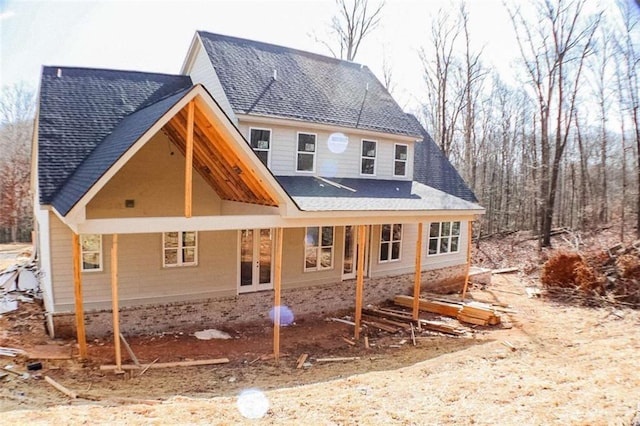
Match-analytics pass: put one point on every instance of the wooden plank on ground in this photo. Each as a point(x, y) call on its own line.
point(442, 308)
point(338, 359)
point(41, 352)
point(472, 320)
point(301, 360)
point(381, 326)
point(71, 394)
point(169, 364)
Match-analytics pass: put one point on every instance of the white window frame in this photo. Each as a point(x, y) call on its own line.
point(83, 252)
point(449, 237)
point(397, 160)
point(313, 154)
point(390, 242)
point(268, 150)
point(319, 248)
point(363, 157)
point(179, 257)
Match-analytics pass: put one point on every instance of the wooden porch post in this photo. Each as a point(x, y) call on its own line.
point(188, 167)
point(466, 275)
point(360, 278)
point(77, 285)
point(114, 301)
point(418, 277)
point(277, 282)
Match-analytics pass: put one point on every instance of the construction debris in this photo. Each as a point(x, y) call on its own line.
point(338, 359)
point(211, 333)
point(71, 394)
point(12, 352)
point(167, 364)
point(606, 277)
point(473, 312)
point(301, 360)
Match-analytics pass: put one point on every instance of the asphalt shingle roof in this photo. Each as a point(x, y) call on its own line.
point(79, 108)
point(432, 168)
point(352, 194)
point(308, 86)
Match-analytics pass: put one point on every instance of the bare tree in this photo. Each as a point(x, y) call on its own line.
point(351, 25)
point(553, 53)
point(16, 126)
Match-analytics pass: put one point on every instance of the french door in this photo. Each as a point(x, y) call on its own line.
point(256, 256)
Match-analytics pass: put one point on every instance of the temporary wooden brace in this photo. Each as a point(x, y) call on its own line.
point(188, 167)
point(359, 279)
point(468, 268)
point(277, 281)
point(416, 284)
point(77, 284)
point(114, 301)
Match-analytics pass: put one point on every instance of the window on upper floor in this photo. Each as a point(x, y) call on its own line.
point(260, 140)
point(390, 242)
point(400, 159)
point(318, 245)
point(444, 237)
point(91, 252)
point(180, 249)
point(306, 155)
point(368, 159)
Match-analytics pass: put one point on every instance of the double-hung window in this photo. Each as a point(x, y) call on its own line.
point(444, 237)
point(390, 242)
point(180, 248)
point(260, 140)
point(400, 159)
point(318, 245)
point(91, 252)
point(306, 154)
point(368, 159)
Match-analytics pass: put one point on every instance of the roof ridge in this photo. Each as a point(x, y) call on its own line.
point(110, 70)
point(290, 49)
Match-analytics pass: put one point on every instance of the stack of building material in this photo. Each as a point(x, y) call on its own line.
point(472, 312)
point(400, 320)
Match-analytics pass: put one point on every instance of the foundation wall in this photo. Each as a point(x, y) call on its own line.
point(254, 307)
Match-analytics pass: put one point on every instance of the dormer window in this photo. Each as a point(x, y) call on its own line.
point(368, 159)
point(400, 159)
point(260, 140)
point(306, 155)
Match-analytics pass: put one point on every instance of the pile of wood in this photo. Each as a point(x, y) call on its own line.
point(393, 321)
point(471, 312)
point(608, 277)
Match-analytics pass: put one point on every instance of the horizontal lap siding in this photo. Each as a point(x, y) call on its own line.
point(61, 262)
point(203, 72)
point(328, 164)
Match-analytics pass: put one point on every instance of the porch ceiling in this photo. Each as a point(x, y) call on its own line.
point(216, 159)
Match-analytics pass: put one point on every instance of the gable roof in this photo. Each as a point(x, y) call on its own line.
point(432, 168)
point(79, 108)
point(306, 86)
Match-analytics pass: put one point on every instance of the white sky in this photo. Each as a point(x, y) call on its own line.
point(155, 35)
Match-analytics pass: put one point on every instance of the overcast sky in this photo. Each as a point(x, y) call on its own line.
point(154, 35)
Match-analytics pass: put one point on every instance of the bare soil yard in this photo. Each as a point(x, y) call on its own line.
point(568, 365)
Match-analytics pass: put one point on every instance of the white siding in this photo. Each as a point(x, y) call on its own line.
point(329, 164)
point(203, 72)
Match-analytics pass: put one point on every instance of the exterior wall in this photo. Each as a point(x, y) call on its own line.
point(203, 72)
point(283, 153)
point(254, 307)
point(154, 179)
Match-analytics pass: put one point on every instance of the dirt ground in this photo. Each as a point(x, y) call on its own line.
point(568, 365)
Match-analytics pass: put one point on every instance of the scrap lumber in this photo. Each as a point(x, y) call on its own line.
point(148, 366)
point(338, 359)
point(343, 321)
point(443, 328)
point(133, 356)
point(381, 326)
point(505, 270)
point(442, 308)
point(71, 394)
point(471, 320)
point(168, 364)
point(351, 342)
point(389, 314)
point(384, 320)
point(301, 360)
point(11, 352)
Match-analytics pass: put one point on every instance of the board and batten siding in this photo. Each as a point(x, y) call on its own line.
point(154, 179)
point(204, 73)
point(283, 155)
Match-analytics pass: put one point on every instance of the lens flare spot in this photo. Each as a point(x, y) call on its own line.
point(286, 315)
point(253, 403)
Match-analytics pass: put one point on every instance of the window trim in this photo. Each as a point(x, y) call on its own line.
point(440, 237)
point(268, 151)
point(319, 248)
point(374, 158)
point(390, 242)
point(298, 152)
point(180, 263)
point(405, 161)
point(82, 252)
